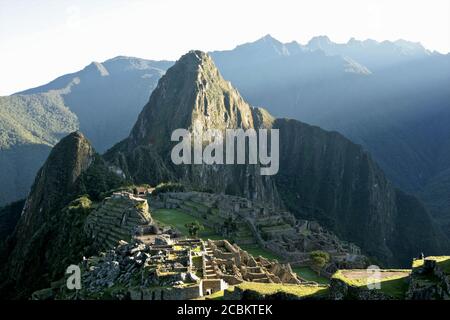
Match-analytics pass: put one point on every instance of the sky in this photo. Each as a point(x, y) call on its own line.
point(41, 40)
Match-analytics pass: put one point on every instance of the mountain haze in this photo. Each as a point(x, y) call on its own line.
point(391, 98)
point(103, 100)
point(107, 96)
point(323, 176)
point(398, 109)
point(194, 96)
point(382, 95)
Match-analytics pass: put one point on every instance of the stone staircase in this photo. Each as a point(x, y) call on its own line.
point(208, 267)
point(208, 271)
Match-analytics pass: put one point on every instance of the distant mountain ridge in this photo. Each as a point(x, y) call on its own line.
point(106, 96)
point(371, 53)
point(382, 95)
point(399, 110)
point(323, 176)
point(103, 100)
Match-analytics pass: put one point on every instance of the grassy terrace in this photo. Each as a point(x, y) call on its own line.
point(196, 205)
point(178, 219)
point(303, 291)
point(272, 288)
point(310, 275)
point(256, 251)
point(278, 227)
point(393, 282)
point(443, 262)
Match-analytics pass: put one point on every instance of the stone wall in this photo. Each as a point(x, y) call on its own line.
point(339, 290)
point(213, 285)
point(429, 281)
point(173, 293)
point(118, 217)
point(273, 229)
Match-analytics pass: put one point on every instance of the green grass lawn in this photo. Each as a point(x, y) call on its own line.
point(272, 288)
point(200, 207)
point(303, 291)
point(445, 265)
point(178, 219)
point(278, 227)
point(442, 261)
point(310, 275)
point(394, 285)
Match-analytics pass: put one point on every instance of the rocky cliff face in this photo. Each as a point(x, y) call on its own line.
point(323, 176)
point(391, 97)
point(54, 181)
point(194, 96)
point(49, 235)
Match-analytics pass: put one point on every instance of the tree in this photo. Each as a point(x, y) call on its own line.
point(194, 228)
point(319, 259)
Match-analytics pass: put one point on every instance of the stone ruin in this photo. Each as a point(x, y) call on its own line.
point(430, 279)
point(273, 229)
point(119, 217)
point(141, 261)
point(175, 269)
point(234, 265)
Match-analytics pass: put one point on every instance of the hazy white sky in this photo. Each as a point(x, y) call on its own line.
point(40, 40)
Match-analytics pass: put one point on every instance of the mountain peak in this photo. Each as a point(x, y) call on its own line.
point(70, 157)
point(275, 45)
point(319, 41)
point(194, 56)
point(74, 152)
point(193, 59)
point(192, 93)
point(75, 135)
point(268, 37)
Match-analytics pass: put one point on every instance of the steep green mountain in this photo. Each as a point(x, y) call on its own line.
point(103, 100)
point(9, 215)
point(192, 95)
point(390, 97)
point(106, 97)
point(382, 95)
point(49, 235)
point(35, 118)
point(323, 176)
point(29, 126)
